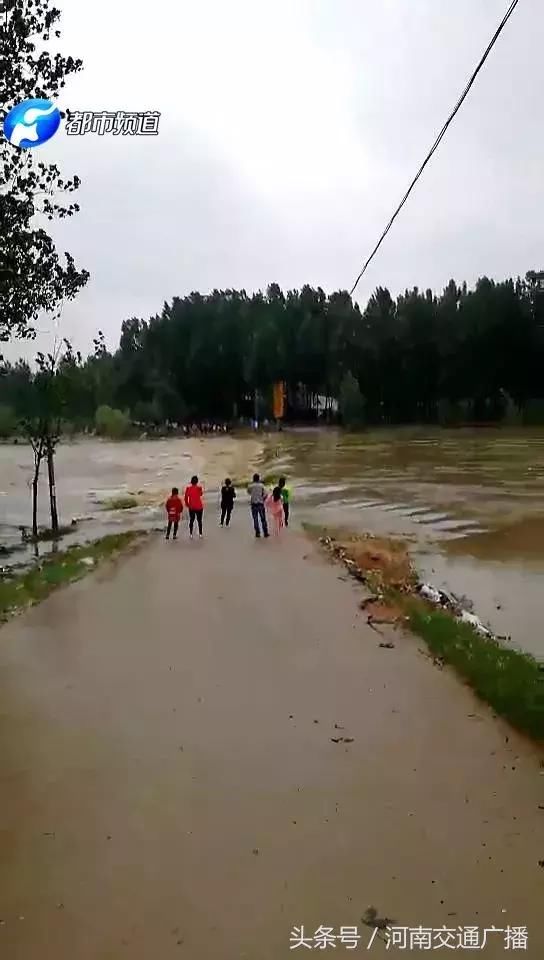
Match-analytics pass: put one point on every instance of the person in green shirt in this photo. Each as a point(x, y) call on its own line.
point(286, 499)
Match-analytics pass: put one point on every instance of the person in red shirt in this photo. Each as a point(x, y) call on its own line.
point(174, 509)
point(195, 505)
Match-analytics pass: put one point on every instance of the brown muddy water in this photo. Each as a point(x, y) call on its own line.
point(471, 502)
point(90, 474)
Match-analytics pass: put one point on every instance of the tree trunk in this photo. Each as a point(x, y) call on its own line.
point(52, 490)
point(35, 499)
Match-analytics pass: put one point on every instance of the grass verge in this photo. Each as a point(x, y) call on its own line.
point(510, 681)
point(31, 586)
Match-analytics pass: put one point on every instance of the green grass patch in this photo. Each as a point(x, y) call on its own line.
point(120, 503)
point(30, 587)
point(511, 681)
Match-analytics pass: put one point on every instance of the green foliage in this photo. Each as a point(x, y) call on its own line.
point(8, 421)
point(47, 400)
point(511, 681)
point(148, 412)
point(352, 402)
point(112, 423)
point(33, 277)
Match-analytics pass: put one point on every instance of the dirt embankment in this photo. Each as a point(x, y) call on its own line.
point(381, 563)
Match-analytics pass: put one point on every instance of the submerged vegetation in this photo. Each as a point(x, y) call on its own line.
point(23, 589)
point(509, 680)
point(121, 503)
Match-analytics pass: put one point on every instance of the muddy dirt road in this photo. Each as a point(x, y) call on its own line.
point(170, 786)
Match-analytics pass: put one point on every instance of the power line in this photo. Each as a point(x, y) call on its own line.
point(440, 136)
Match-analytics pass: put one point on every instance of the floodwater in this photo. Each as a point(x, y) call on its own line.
point(90, 474)
point(471, 502)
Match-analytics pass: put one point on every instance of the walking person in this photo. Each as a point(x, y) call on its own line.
point(286, 499)
point(195, 504)
point(174, 510)
point(274, 505)
point(228, 496)
point(257, 499)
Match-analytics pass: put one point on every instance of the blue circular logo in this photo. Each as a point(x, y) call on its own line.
point(31, 123)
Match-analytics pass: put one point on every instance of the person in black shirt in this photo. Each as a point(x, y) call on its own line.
point(228, 496)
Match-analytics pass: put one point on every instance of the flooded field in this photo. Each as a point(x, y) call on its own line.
point(93, 474)
point(471, 501)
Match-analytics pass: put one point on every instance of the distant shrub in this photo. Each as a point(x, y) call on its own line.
point(121, 503)
point(110, 422)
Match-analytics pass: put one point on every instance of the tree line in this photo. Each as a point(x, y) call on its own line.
point(462, 356)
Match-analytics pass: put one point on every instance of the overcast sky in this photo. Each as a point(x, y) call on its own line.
point(289, 130)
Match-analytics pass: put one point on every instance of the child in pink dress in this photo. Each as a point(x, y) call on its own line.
point(274, 505)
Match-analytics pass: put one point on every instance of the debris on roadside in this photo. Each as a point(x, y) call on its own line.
point(441, 599)
point(473, 621)
point(368, 600)
point(430, 593)
point(382, 621)
point(382, 562)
